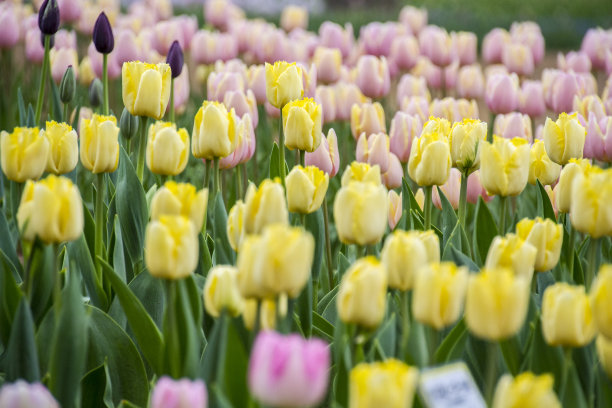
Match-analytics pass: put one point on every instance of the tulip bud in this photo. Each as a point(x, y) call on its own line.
point(513, 125)
point(49, 17)
point(182, 393)
point(20, 394)
point(128, 124)
point(299, 380)
point(23, 153)
point(361, 172)
point(404, 128)
point(67, 87)
point(470, 82)
point(546, 236)
point(264, 206)
point(63, 148)
point(435, 44)
point(52, 210)
point(283, 83)
point(601, 302)
point(465, 137)
point(525, 390)
point(277, 261)
point(96, 93)
point(451, 190)
point(103, 37)
point(221, 291)
point(518, 58)
point(564, 139)
point(175, 59)
point(171, 247)
point(563, 190)
point(531, 99)
point(146, 88)
point(326, 157)
point(513, 252)
point(328, 62)
point(540, 166)
point(363, 292)
point(567, 317)
point(395, 208)
point(235, 225)
point(214, 132)
point(392, 178)
point(502, 93)
point(590, 210)
point(306, 188)
point(373, 76)
point(347, 95)
point(389, 384)
point(167, 149)
point(99, 144)
point(180, 199)
point(504, 166)
point(403, 254)
point(302, 124)
point(374, 150)
point(439, 291)
point(367, 118)
point(430, 159)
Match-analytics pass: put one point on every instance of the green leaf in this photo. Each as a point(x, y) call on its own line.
point(449, 221)
point(461, 259)
point(387, 336)
point(147, 334)
point(118, 254)
point(224, 255)
point(315, 224)
point(304, 306)
point(453, 344)
point(324, 301)
point(31, 119)
point(274, 169)
point(411, 202)
point(511, 350)
point(485, 230)
point(213, 358)
point(545, 208)
point(21, 358)
point(21, 106)
point(236, 360)
point(79, 253)
point(205, 260)
point(7, 245)
point(10, 296)
point(96, 388)
point(56, 103)
point(41, 279)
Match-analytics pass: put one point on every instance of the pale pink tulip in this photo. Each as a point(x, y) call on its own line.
point(501, 93)
point(404, 52)
point(127, 47)
point(34, 50)
point(404, 128)
point(529, 33)
point(70, 10)
point(326, 97)
point(377, 37)
point(114, 68)
point(435, 44)
point(395, 208)
point(184, 393)
point(219, 83)
point(513, 125)
point(20, 394)
point(220, 13)
point(189, 26)
point(595, 43)
point(531, 99)
point(470, 82)
point(332, 35)
point(517, 57)
point(598, 143)
point(271, 111)
point(432, 73)
point(256, 82)
point(208, 47)
point(587, 105)
point(347, 95)
point(574, 61)
point(243, 103)
point(451, 190)
point(454, 110)
point(463, 47)
point(475, 189)
point(60, 60)
point(493, 45)
point(417, 106)
point(374, 150)
point(414, 18)
point(181, 90)
point(326, 157)
point(392, 178)
point(410, 85)
point(328, 62)
point(373, 76)
point(560, 88)
point(368, 118)
point(166, 32)
point(9, 26)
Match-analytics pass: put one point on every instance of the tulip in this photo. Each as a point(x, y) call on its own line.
point(475, 189)
point(347, 95)
point(465, 137)
point(470, 82)
point(587, 105)
point(146, 88)
point(496, 303)
point(326, 157)
point(99, 149)
point(430, 159)
point(49, 17)
point(451, 190)
point(180, 199)
point(242, 103)
point(86, 73)
point(463, 47)
point(567, 317)
point(574, 61)
point(546, 236)
point(34, 51)
point(221, 291)
point(267, 313)
point(501, 93)
point(306, 188)
point(518, 58)
point(414, 18)
point(167, 149)
point(61, 59)
point(402, 255)
point(389, 383)
point(525, 390)
point(513, 125)
point(283, 83)
point(213, 131)
point(169, 393)
point(435, 44)
point(328, 62)
point(513, 252)
point(604, 352)
point(277, 261)
point(454, 110)
point(20, 394)
point(590, 211)
point(504, 166)
point(439, 291)
point(171, 247)
point(374, 150)
point(235, 225)
point(220, 13)
point(437, 125)
point(218, 84)
point(411, 86)
point(362, 293)
point(563, 190)
point(416, 106)
point(63, 148)
point(256, 82)
point(376, 38)
point(264, 206)
point(529, 33)
point(360, 211)
point(103, 35)
point(332, 35)
point(404, 52)
point(541, 167)
point(209, 47)
point(594, 44)
point(392, 178)
point(404, 128)
point(24, 153)
point(560, 88)
point(395, 208)
point(326, 97)
point(294, 17)
point(302, 124)
point(598, 142)
point(245, 145)
point(601, 301)
point(531, 99)
point(288, 371)
point(361, 172)
point(368, 118)
point(432, 73)
point(373, 76)
point(564, 139)
point(493, 45)
point(9, 27)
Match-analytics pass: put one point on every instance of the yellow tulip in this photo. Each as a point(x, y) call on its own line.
point(504, 166)
point(564, 139)
point(362, 172)
point(465, 138)
point(363, 293)
point(526, 390)
point(302, 124)
point(496, 303)
point(306, 188)
point(540, 166)
point(403, 254)
point(180, 199)
point(432, 244)
point(513, 252)
point(265, 205)
point(604, 352)
point(267, 314)
point(167, 149)
point(563, 189)
point(171, 247)
point(235, 225)
point(214, 131)
point(51, 209)
point(368, 118)
point(99, 144)
point(601, 301)
point(546, 236)
point(389, 384)
point(360, 212)
point(146, 88)
point(221, 291)
point(591, 212)
point(567, 317)
point(439, 291)
point(63, 148)
point(277, 261)
point(24, 154)
point(283, 83)
point(440, 126)
point(430, 159)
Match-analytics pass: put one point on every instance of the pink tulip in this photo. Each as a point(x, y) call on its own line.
point(272, 46)
point(561, 87)
point(501, 93)
point(233, 65)
point(493, 45)
point(608, 62)
point(288, 371)
point(404, 128)
point(301, 45)
point(328, 62)
point(60, 60)
point(347, 95)
point(598, 143)
point(309, 80)
point(326, 157)
point(271, 111)
point(184, 393)
point(414, 18)
point(470, 82)
point(377, 37)
point(392, 178)
point(250, 142)
point(368, 118)
point(518, 58)
point(451, 190)
point(590, 104)
point(463, 47)
point(20, 394)
point(126, 46)
point(574, 61)
point(513, 125)
point(243, 103)
point(166, 32)
point(373, 76)
point(531, 99)
point(219, 83)
point(432, 73)
point(404, 52)
point(539, 132)
point(435, 44)
point(409, 86)
point(529, 33)
point(417, 106)
point(395, 208)
point(70, 10)
point(181, 90)
point(454, 110)
point(65, 39)
point(220, 13)
point(450, 75)
point(595, 43)
point(208, 47)
point(374, 150)
point(332, 35)
point(9, 26)
point(475, 189)
point(326, 97)
point(34, 50)
point(114, 68)
point(188, 25)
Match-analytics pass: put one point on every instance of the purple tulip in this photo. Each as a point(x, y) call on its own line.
point(103, 37)
point(175, 59)
point(49, 17)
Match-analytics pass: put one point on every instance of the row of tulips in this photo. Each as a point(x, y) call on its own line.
point(133, 285)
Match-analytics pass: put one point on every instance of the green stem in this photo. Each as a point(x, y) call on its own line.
point(43, 81)
point(490, 128)
point(100, 224)
point(281, 147)
point(57, 286)
point(328, 253)
point(216, 180)
point(238, 181)
point(66, 119)
point(491, 371)
point(571, 244)
point(105, 82)
point(142, 146)
point(428, 204)
point(434, 335)
point(405, 296)
point(463, 198)
point(207, 174)
point(171, 330)
point(172, 99)
point(567, 362)
point(502, 214)
point(592, 262)
point(257, 324)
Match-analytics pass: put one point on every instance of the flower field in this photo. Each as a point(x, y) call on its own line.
point(223, 212)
